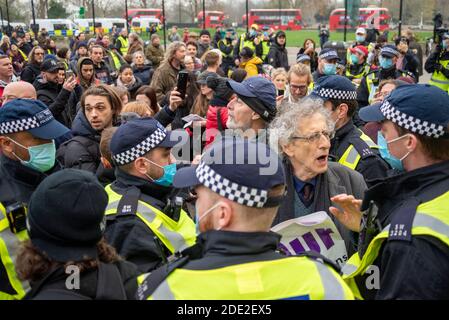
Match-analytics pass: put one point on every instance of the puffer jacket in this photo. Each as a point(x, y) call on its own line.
point(252, 67)
point(83, 150)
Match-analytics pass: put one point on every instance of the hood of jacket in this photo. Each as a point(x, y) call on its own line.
point(82, 127)
point(276, 43)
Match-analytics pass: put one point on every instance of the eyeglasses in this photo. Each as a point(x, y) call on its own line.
point(315, 137)
point(38, 53)
point(301, 88)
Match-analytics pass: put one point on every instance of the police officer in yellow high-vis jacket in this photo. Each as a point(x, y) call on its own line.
point(350, 146)
point(238, 257)
point(387, 60)
point(438, 65)
point(27, 133)
point(404, 229)
point(145, 222)
point(122, 43)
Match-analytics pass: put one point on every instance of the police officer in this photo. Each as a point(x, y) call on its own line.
point(65, 223)
point(145, 222)
point(357, 67)
point(387, 60)
point(27, 133)
point(122, 43)
point(327, 64)
point(404, 252)
point(237, 257)
point(267, 40)
point(251, 40)
point(226, 46)
point(350, 146)
point(438, 65)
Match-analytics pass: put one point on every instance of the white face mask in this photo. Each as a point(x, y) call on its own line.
point(198, 218)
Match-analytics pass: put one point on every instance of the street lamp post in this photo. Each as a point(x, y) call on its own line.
point(164, 24)
point(126, 13)
point(400, 19)
point(7, 17)
point(346, 20)
point(34, 18)
point(280, 14)
point(247, 22)
point(204, 14)
point(1, 16)
point(93, 15)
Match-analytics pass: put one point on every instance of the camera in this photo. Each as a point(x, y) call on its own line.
point(439, 34)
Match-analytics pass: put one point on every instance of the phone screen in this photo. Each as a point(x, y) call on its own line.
point(280, 92)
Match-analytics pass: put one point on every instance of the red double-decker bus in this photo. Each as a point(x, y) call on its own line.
point(284, 19)
point(146, 13)
point(213, 19)
point(368, 17)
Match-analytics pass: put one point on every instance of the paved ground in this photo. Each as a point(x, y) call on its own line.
point(292, 51)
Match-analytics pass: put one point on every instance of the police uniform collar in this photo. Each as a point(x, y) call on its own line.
point(149, 189)
point(343, 131)
point(238, 243)
point(22, 173)
point(406, 184)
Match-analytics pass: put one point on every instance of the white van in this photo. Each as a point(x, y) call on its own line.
point(142, 24)
point(86, 25)
point(55, 27)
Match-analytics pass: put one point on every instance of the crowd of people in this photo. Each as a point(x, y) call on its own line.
point(158, 174)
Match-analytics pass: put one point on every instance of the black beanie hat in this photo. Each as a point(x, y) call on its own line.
point(218, 85)
point(66, 215)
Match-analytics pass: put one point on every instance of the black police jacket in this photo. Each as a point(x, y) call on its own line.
point(218, 249)
point(129, 235)
point(415, 269)
point(433, 61)
point(18, 182)
point(371, 165)
point(118, 281)
point(380, 74)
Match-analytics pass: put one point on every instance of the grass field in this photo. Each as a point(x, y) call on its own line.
point(296, 38)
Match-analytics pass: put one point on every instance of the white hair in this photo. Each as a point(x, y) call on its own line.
point(284, 126)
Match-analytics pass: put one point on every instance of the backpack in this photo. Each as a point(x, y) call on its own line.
point(91, 146)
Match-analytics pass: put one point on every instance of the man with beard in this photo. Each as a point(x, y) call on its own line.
point(50, 92)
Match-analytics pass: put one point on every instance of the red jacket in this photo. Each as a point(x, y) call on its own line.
point(212, 128)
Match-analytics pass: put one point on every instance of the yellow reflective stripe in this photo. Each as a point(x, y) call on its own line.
point(9, 245)
point(294, 277)
point(425, 224)
point(332, 290)
point(163, 292)
point(368, 140)
point(154, 219)
point(350, 158)
point(439, 81)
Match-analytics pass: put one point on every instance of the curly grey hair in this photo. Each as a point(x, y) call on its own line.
point(284, 126)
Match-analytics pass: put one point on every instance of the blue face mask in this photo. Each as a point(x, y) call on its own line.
point(444, 44)
point(394, 162)
point(354, 59)
point(360, 38)
point(385, 63)
point(42, 157)
point(253, 33)
point(198, 218)
point(330, 69)
point(167, 178)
